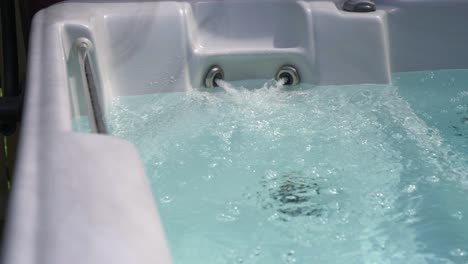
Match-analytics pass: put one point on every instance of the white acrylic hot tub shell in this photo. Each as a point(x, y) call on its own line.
point(84, 198)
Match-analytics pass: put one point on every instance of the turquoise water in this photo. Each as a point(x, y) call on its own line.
point(335, 174)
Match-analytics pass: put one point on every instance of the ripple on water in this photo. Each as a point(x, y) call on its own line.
point(295, 175)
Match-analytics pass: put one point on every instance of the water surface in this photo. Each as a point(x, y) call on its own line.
point(335, 174)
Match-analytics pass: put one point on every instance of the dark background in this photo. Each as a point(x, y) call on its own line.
point(28, 8)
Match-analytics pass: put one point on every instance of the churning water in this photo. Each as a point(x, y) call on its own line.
point(336, 174)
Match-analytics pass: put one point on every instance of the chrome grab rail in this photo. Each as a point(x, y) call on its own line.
point(83, 48)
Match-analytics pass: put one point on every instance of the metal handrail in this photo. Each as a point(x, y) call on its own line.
point(84, 47)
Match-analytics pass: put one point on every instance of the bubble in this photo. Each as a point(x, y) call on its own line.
point(233, 209)
point(273, 217)
point(247, 195)
point(270, 174)
point(289, 257)
point(433, 179)
point(208, 177)
point(152, 83)
point(457, 215)
point(341, 237)
point(257, 251)
point(458, 252)
point(410, 188)
point(166, 199)
point(410, 212)
point(225, 217)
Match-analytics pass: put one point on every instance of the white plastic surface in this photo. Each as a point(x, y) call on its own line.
point(83, 198)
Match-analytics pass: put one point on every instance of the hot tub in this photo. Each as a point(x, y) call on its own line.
point(386, 181)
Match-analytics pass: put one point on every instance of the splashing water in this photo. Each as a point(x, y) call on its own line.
point(338, 174)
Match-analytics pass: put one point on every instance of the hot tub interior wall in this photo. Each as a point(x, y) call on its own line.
point(79, 96)
point(168, 46)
